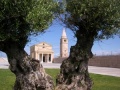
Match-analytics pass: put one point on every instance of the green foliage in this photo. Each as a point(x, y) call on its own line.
point(101, 82)
point(100, 17)
point(21, 18)
point(41, 14)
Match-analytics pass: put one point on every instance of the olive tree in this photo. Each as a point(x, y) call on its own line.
point(18, 20)
point(89, 20)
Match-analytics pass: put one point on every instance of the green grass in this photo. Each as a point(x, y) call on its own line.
point(53, 73)
point(101, 82)
point(7, 79)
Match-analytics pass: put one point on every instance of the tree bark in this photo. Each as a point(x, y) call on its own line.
point(30, 74)
point(74, 73)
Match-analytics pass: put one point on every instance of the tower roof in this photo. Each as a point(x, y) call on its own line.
point(64, 33)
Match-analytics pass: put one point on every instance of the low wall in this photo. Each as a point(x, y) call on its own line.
point(100, 61)
point(58, 60)
point(105, 61)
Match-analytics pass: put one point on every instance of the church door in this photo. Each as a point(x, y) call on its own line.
point(43, 58)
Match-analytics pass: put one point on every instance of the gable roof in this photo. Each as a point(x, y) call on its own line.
point(44, 44)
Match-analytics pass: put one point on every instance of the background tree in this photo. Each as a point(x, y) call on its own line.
point(89, 20)
point(18, 20)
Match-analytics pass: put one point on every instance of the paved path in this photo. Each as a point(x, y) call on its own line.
point(92, 69)
point(105, 71)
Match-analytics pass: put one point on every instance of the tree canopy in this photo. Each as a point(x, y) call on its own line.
point(21, 18)
point(100, 16)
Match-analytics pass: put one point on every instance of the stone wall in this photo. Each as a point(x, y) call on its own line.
point(100, 61)
point(105, 61)
point(58, 60)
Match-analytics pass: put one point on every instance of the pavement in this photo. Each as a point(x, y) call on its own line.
point(92, 69)
point(105, 71)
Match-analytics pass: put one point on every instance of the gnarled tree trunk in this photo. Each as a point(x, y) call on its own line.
point(74, 73)
point(30, 74)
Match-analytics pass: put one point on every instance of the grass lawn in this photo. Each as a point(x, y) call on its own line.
point(101, 82)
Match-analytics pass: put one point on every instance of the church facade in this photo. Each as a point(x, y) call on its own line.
point(43, 51)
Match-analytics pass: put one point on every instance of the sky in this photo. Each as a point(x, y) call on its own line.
point(53, 34)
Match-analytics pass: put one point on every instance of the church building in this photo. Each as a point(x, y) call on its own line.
point(43, 51)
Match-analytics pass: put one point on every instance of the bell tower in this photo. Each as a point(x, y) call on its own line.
point(64, 45)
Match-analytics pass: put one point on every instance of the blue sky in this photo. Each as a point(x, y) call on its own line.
point(53, 34)
point(107, 47)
